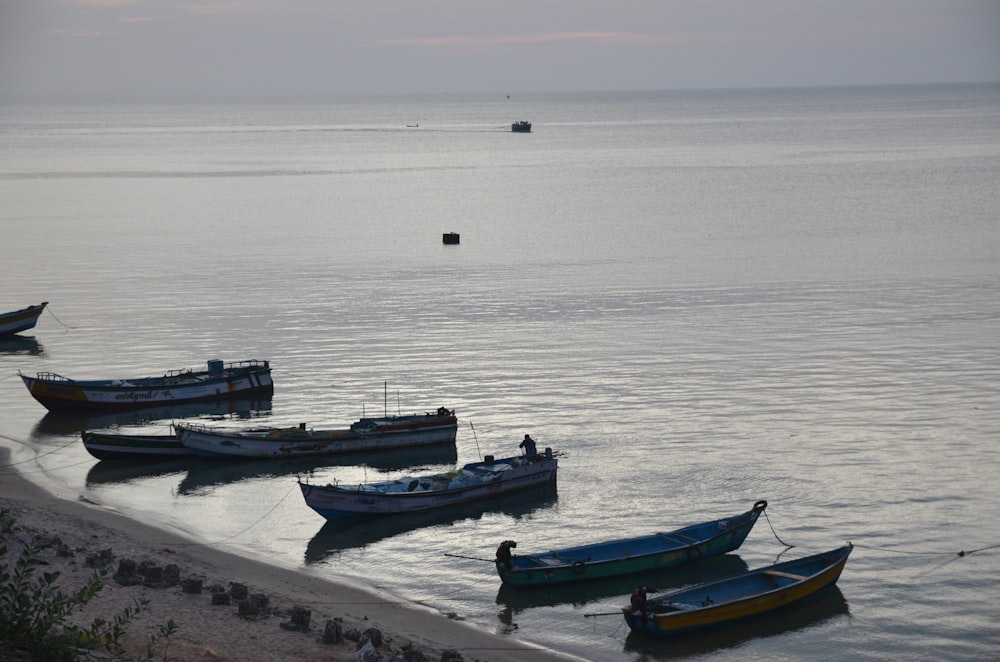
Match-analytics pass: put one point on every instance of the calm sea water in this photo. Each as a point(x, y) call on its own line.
point(700, 299)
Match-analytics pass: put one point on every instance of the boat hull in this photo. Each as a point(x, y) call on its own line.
point(382, 434)
point(107, 446)
point(736, 598)
point(21, 320)
point(240, 380)
point(644, 554)
point(336, 502)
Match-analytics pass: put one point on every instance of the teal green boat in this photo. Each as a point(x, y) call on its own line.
point(625, 556)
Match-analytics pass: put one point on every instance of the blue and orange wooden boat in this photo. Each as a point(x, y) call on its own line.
point(20, 320)
point(221, 381)
point(613, 558)
point(748, 594)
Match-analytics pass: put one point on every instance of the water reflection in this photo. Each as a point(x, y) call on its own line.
point(21, 345)
point(203, 475)
point(336, 536)
point(811, 611)
point(120, 471)
point(718, 567)
point(208, 473)
point(67, 423)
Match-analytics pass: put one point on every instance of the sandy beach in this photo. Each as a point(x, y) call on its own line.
point(271, 630)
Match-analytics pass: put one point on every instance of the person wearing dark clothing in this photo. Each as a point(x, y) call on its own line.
point(529, 446)
point(639, 598)
point(504, 556)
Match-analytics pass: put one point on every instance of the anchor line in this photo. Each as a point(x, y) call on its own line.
point(775, 532)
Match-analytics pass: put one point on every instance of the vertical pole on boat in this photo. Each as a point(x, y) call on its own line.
point(385, 399)
point(477, 440)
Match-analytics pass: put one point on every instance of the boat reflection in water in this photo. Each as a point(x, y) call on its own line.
point(21, 345)
point(202, 475)
point(809, 612)
point(348, 533)
point(120, 471)
point(550, 595)
point(207, 473)
point(55, 424)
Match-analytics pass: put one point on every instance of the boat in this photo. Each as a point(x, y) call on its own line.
point(487, 479)
point(741, 596)
point(612, 558)
point(521, 127)
point(220, 381)
point(366, 434)
point(20, 320)
point(110, 445)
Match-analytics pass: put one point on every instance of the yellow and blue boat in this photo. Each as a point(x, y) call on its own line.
point(727, 600)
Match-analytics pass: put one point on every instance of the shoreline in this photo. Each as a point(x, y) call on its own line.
point(207, 631)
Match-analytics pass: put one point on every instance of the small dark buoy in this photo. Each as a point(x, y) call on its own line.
point(450, 237)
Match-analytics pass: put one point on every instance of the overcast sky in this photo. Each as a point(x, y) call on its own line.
point(328, 47)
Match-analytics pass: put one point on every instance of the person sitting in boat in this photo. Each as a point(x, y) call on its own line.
point(529, 447)
point(504, 555)
point(638, 599)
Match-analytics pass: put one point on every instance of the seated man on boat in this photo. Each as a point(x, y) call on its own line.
point(529, 447)
point(638, 599)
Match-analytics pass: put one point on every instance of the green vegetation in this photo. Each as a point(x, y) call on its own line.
point(33, 613)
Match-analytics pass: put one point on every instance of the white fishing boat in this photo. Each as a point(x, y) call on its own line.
point(366, 434)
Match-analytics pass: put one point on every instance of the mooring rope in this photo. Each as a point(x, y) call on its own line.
point(238, 533)
point(959, 554)
point(775, 532)
point(35, 457)
point(49, 309)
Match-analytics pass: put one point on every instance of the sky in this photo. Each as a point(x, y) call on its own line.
point(331, 47)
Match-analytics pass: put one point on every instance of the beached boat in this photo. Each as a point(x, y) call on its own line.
point(744, 595)
point(20, 320)
point(367, 434)
point(521, 127)
point(221, 381)
point(109, 445)
point(612, 558)
point(474, 481)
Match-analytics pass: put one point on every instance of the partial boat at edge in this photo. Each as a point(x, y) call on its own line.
point(20, 320)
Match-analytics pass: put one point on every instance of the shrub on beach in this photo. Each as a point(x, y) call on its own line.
point(34, 610)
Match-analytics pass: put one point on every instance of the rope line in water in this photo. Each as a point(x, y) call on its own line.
point(38, 455)
point(775, 532)
point(238, 533)
point(49, 309)
point(959, 554)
